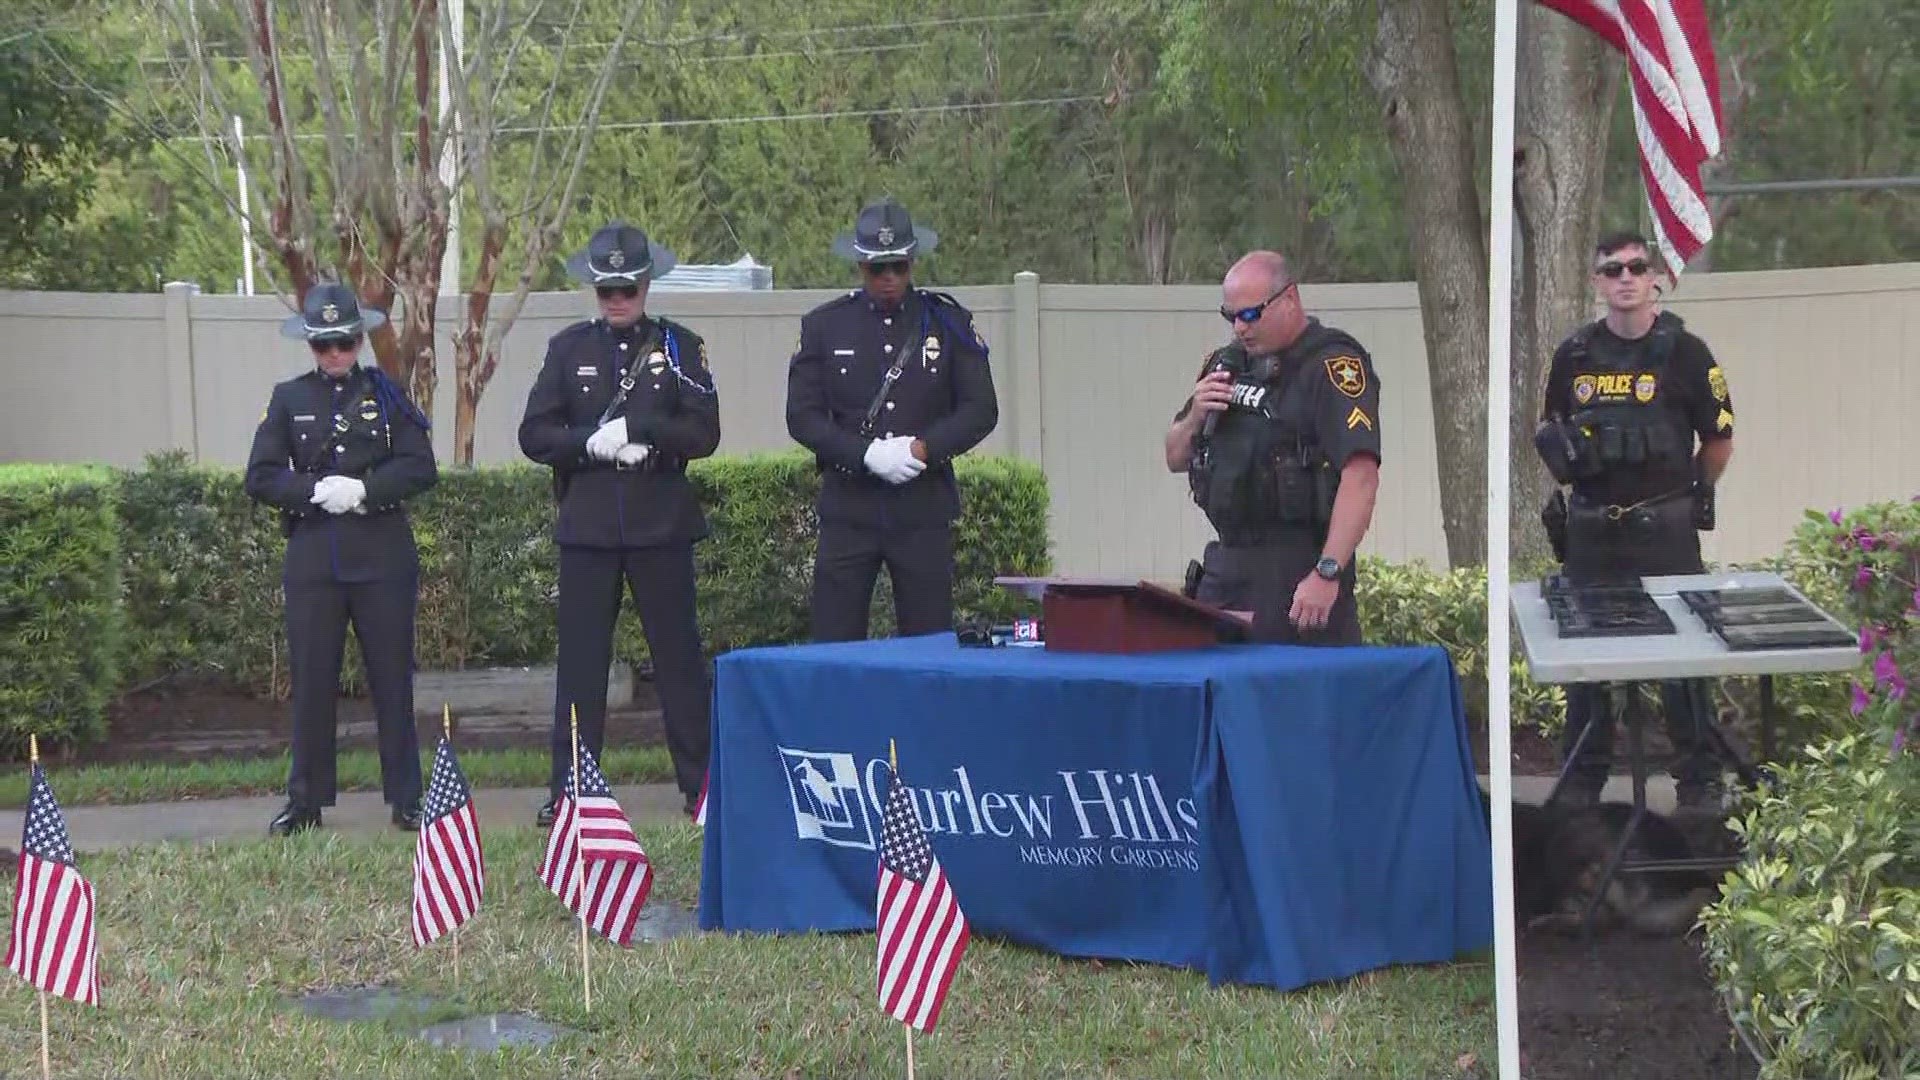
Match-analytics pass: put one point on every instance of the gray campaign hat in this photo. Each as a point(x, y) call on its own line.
point(884, 232)
point(620, 253)
point(331, 310)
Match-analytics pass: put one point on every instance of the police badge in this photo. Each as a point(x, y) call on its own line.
point(616, 258)
point(930, 350)
point(329, 313)
point(1644, 388)
point(884, 235)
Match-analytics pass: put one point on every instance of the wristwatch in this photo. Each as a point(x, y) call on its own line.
point(1328, 568)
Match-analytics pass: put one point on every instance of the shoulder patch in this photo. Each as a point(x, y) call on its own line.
point(1717, 382)
point(1347, 374)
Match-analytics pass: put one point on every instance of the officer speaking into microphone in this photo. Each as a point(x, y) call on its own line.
point(1280, 441)
point(621, 405)
point(1626, 399)
point(339, 451)
point(890, 383)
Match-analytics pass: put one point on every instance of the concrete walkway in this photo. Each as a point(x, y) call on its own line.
point(103, 828)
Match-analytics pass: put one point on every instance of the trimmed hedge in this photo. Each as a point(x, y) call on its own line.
point(195, 565)
point(60, 616)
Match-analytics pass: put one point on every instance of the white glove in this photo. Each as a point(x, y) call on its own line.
point(632, 454)
point(607, 441)
point(892, 459)
point(338, 494)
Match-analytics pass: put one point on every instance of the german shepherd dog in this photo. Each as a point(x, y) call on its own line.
point(1560, 853)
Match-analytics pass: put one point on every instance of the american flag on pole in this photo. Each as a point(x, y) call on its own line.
point(592, 839)
point(449, 868)
point(921, 930)
point(1676, 106)
point(53, 945)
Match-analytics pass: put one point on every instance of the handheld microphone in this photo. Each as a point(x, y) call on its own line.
point(1213, 418)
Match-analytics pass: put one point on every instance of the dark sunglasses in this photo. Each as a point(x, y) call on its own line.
point(1638, 268)
point(1252, 314)
point(322, 346)
point(885, 269)
point(624, 292)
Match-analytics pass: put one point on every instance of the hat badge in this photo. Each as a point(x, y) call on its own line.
point(617, 259)
point(329, 313)
point(885, 235)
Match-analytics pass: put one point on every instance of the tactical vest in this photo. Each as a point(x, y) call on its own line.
point(1640, 447)
point(1263, 471)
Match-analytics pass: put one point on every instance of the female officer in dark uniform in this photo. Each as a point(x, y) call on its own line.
point(338, 452)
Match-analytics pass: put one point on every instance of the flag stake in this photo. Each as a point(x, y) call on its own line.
point(446, 732)
point(909, 1028)
point(46, 1059)
point(579, 864)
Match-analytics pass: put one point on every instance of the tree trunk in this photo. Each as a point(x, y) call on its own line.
point(1565, 86)
point(1412, 69)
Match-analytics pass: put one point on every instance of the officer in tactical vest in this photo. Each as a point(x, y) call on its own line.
point(1280, 442)
point(1626, 399)
point(339, 452)
point(889, 384)
point(621, 405)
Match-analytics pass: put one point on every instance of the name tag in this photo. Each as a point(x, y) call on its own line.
point(843, 352)
point(586, 371)
point(304, 416)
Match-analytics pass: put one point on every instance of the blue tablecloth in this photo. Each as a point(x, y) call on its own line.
point(1266, 814)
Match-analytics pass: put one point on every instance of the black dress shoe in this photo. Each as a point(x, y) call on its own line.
point(548, 811)
point(692, 806)
point(294, 818)
point(408, 817)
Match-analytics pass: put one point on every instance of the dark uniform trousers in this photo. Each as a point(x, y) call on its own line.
point(661, 580)
point(358, 569)
point(1686, 703)
point(1275, 568)
point(321, 603)
point(631, 524)
point(919, 562)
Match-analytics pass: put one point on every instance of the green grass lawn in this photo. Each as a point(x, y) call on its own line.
point(204, 948)
point(359, 771)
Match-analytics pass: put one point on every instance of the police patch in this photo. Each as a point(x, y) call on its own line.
point(1717, 382)
point(1644, 388)
point(1583, 389)
point(1348, 375)
point(1356, 418)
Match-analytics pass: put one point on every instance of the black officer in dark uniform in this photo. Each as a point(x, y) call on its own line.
point(1625, 400)
point(1281, 443)
point(621, 405)
point(889, 385)
point(339, 451)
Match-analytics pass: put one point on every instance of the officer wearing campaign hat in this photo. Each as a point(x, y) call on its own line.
point(338, 452)
point(622, 403)
point(889, 384)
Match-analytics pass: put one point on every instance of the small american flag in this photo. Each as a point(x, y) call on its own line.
point(1676, 106)
point(700, 808)
point(618, 875)
point(53, 946)
point(449, 868)
point(921, 930)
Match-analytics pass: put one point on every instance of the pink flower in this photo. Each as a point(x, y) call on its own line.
point(1860, 701)
point(1865, 539)
point(1863, 578)
point(1869, 638)
point(1884, 669)
point(1834, 515)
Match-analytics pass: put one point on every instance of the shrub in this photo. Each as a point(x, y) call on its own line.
point(1816, 939)
point(60, 616)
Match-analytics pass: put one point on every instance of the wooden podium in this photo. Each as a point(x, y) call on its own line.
point(1113, 615)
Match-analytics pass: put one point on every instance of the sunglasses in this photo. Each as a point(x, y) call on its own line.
point(885, 269)
point(322, 346)
point(1252, 314)
point(1638, 268)
point(624, 292)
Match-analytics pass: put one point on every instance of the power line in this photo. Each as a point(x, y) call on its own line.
point(766, 118)
point(753, 36)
